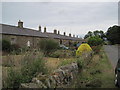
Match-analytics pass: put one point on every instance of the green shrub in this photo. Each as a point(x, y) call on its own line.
point(31, 65)
point(14, 79)
point(95, 40)
point(80, 63)
point(62, 54)
point(48, 45)
point(15, 49)
point(56, 54)
point(6, 45)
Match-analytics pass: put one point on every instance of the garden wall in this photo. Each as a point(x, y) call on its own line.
point(61, 77)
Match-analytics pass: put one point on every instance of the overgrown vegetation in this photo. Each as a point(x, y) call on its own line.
point(10, 48)
point(48, 45)
point(6, 45)
point(62, 54)
point(29, 67)
point(96, 49)
point(98, 73)
point(95, 41)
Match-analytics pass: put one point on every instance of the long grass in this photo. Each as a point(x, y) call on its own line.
point(29, 67)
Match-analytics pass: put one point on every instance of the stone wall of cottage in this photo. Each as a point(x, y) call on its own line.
point(22, 40)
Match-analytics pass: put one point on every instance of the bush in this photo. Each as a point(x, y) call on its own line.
point(80, 63)
point(6, 45)
point(62, 54)
point(14, 79)
point(15, 49)
point(95, 40)
point(31, 65)
point(48, 45)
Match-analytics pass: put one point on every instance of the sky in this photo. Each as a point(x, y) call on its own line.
point(72, 17)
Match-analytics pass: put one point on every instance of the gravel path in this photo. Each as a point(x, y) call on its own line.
point(113, 53)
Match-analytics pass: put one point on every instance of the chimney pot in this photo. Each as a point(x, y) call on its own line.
point(44, 29)
point(20, 24)
point(55, 31)
point(69, 34)
point(64, 33)
point(40, 28)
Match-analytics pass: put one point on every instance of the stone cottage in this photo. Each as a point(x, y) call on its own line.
point(28, 37)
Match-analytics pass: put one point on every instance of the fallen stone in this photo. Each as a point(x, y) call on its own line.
point(29, 85)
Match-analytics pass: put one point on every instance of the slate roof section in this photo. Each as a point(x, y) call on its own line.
point(14, 30)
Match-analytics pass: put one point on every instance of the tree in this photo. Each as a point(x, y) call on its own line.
point(94, 41)
point(95, 33)
point(113, 34)
point(89, 34)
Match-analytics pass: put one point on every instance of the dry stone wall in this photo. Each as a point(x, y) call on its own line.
point(60, 77)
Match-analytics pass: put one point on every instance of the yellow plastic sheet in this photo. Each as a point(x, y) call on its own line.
point(83, 48)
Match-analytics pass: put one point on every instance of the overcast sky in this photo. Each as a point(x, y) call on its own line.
point(73, 17)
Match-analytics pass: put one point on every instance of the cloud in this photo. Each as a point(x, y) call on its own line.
point(76, 17)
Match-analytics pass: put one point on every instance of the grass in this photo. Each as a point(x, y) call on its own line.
point(28, 67)
point(54, 63)
point(99, 73)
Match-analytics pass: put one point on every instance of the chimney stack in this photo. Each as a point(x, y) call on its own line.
point(64, 33)
point(58, 32)
point(40, 28)
point(55, 31)
point(44, 29)
point(20, 24)
point(69, 34)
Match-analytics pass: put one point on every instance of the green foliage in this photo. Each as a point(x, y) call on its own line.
point(89, 34)
point(95, 40)
point(14, 79)
point(81, 63)
point(100, 34)
point(31, 65)
point(62, 54)
point(48, 45)
point(113, 34)
point(11, 48)
point(6, 45)
point(15, 49)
